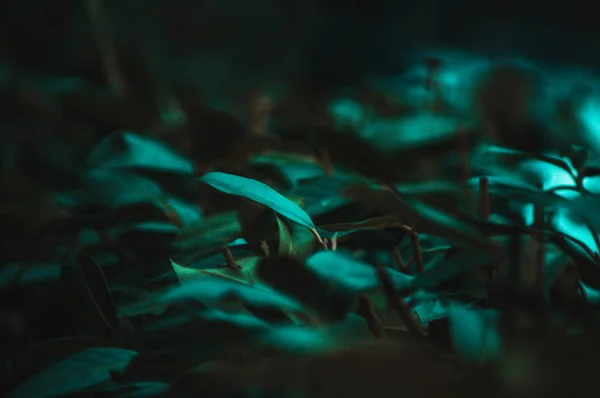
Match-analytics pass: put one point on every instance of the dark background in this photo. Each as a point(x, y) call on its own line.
point(334, 38)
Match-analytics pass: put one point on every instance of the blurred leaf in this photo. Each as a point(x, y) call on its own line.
point(286, 245)
point(303, 340)
point(473, 332)
point(375, 222)
point(243, 272)
point(269, 148)
point(513, 191)
point(375, 233)
point(453, 263)
point(213, 290)
point(358, 276)
point(426, 219)
point(82, 370)
point(303, 241)
point(518, 155)
point(114, 188)
point(209, 233)
point(126, 149)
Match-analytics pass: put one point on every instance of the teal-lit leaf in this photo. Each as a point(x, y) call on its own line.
point(244, 272)
point(209, 233)
point(113, 188)
point(78, 372)
point(212, 290)
point(303, 241)
point(260, 193)
point(375, 222)
point(522, 192)
point(303, 339)
point(452, 265)
point(429, 311)
point(524, 156)
point(344, 269)
point(322, 194)
point(474, 332)
point(286, 245)
point(127, 149)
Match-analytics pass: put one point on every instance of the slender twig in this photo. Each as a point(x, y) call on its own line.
point(398, 260)
point(366, 310)
point(418, 253)
point(319, 239)
point(229, 259)
point(334, 241)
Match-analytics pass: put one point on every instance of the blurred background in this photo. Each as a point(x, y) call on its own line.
point(313, 39)
point(109, 105)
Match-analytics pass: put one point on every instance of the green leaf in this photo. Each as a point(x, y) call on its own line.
point(126, 150)
point(211, 290)
point(473, 332)
point(260, 193)
point(80, 371)
point(375, 222)
point(453, 264)
point(426, 219)
point(354, 274)
point(303, 240)
point(518, 155)
point(243, 274)
point(286, 245)
point(209, 233)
